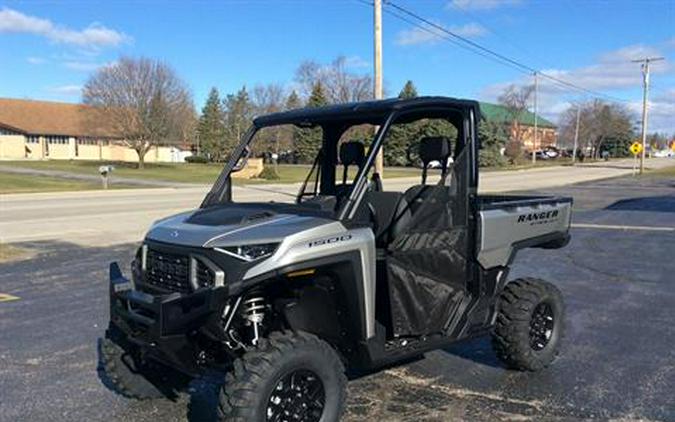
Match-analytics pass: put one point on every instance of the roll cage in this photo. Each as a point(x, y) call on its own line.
point(336, 120)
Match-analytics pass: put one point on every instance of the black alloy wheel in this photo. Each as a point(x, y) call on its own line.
point(541, 326)
point(299, 396)
point(289, 376)
point(530, 324)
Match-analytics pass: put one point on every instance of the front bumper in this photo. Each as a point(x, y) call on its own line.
point(166, 327)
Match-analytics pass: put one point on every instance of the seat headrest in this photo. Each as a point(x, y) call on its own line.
point(434, 148)
point(352, 152)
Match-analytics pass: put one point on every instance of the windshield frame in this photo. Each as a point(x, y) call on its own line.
point(222, 188)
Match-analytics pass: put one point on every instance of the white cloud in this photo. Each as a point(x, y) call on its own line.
point(85, 66)
point(66, 90)
point(661, 111)
point(36, 60)
point(356, 62)
point(482, 4)
point(612, 72)
point(416, 36)
point(470, 30)
point(93, 36)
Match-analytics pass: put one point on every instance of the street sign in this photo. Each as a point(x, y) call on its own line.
point(636, 148)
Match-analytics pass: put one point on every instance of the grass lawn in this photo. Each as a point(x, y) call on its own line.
point(186, 173)
point(12, 253)
point(182, 173)
point(664, 172)
point(20, 183)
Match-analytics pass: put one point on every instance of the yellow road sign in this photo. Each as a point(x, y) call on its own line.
point(4, 297)
point(636, 148)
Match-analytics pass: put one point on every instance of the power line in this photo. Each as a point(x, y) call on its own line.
point(447, 38)
point(473, 44)
point(508, 40)
point(488, 53)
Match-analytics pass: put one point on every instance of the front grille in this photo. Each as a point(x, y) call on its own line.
point(168, 271)
point(176, 272)
point(205, 275)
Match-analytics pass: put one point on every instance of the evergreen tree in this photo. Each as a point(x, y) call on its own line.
point(293, 101)
point(210, 128)
point(307, 141)
point(401, 137)
point(318, 96)
point(238, 118)
point(409, 90)
point(493, 137)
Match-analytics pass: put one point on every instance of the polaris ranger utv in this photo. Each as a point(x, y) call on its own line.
point(346, 277)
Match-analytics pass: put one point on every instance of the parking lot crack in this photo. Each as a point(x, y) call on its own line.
point(408, 377)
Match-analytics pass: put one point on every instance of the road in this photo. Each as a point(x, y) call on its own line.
point(617, 361)
point(100, 218)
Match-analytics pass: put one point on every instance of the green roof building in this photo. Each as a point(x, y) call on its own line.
point(523, 129)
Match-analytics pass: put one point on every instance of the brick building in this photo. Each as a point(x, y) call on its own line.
point(547, 134)
point(50, 130)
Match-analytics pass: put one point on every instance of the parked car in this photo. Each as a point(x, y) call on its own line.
point(664, 153)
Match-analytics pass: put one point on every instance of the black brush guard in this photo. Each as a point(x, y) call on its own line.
point(162, 325)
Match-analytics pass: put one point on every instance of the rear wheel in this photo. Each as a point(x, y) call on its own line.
point(530, 324)
point(291, 376)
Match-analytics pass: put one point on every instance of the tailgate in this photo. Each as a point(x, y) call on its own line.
point(512, 223)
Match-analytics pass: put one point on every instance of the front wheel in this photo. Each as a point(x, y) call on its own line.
point(124, 372)
point(290, 376)
point(530, 324)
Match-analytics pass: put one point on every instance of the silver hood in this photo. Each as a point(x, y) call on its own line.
point(191, 229)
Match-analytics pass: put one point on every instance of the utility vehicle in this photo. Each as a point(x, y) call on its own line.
point(352, 274)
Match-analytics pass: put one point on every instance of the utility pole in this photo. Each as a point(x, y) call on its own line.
point(576, 136)
point(534, 140)
point(645, 100)
point(377, 4)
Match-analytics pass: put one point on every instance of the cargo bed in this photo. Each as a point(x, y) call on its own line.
point(507, 223)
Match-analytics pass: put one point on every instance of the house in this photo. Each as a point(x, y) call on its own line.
point(523, 128)
point(31, 129)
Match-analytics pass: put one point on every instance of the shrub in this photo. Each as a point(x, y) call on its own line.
point(514, 151)
point(269, 173)
point(196, 159)
point(491, 157)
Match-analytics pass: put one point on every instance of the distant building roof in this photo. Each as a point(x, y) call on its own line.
point(49, 118)
point(499, 113)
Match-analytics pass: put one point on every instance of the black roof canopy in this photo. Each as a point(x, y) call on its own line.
point(372, 112)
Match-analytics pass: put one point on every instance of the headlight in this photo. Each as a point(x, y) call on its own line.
point(250, 252)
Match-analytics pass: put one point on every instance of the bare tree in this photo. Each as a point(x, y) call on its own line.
point(270, 98)
point(601, 125)
point(340, 84)
point(143, 101)
point(516, 100)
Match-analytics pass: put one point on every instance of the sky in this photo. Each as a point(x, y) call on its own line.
point(49, 49)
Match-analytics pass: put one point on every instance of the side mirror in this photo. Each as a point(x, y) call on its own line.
point(242, 160)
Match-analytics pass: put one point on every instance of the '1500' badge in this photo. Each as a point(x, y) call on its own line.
point(329, 240)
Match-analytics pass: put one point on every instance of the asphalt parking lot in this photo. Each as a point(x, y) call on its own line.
point(617, 362)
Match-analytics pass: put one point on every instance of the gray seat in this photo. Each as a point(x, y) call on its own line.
point(392, 215)
point(351, 153)
point(436, 148)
